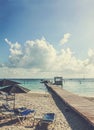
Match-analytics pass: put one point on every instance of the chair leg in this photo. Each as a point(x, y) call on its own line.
point(19, 119)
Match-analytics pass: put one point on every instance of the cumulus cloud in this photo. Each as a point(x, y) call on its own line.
point(39, 58)
point(91, 56)
point(65, 39)
point(15, 53)
point(90, 52)
point(2, 65)
point(15, 49)
point(35, 54)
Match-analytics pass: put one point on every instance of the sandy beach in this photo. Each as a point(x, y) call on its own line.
point(66, 119)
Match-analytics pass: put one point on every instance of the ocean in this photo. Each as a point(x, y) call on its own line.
point(34, 85)
point(82, 87)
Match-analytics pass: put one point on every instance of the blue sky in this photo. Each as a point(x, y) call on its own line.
point(64, 27)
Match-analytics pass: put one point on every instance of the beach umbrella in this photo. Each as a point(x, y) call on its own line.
point(14, 89)
point(7, 82)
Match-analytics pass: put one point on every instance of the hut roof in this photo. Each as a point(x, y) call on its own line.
point(15, 89)
point(6, 82)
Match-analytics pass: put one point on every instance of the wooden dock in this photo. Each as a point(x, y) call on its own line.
point(82, 106)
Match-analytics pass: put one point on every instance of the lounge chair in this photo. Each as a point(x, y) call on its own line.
point(7, 108)
point(20, 113)
point(48, 118)
point(7, 111)
point(23, 114)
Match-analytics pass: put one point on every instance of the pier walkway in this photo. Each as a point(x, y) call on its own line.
point(79, 104)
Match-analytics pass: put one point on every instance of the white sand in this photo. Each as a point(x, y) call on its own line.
point(66, 119)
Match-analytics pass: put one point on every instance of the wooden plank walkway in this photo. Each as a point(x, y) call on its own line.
point(79, 104)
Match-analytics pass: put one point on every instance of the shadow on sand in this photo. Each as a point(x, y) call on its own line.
point(43, 126)
point(8, 122)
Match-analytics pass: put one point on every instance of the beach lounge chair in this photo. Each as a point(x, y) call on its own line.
point(7, 108)
point(7, 111)
point(48, 118)
point(23, 114)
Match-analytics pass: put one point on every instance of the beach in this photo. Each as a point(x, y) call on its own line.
point(66, 119)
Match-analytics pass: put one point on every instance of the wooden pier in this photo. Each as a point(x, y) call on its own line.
point(82, 106)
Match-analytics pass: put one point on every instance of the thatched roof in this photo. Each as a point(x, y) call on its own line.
point(15, 89)
point(6, 82)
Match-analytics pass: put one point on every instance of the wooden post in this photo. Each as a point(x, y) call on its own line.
point(14, 102)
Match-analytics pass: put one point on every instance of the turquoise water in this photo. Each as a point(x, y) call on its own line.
point(32, 84)
point(82, 87)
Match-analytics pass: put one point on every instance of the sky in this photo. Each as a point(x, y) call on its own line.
point(46, 38)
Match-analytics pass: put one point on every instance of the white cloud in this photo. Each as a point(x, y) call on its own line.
point(91, 56)
point(1, 65)
point(15, 53)
point(65, 39)
point(35, 54)
point(90, 52)
point(14, 48)
point(40, 59)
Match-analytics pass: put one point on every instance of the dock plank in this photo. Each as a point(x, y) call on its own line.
point(79, 104)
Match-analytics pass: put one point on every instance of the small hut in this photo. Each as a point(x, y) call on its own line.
point(58, 81)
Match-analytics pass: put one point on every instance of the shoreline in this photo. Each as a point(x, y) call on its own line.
point(90, 98)
point(38, 92)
